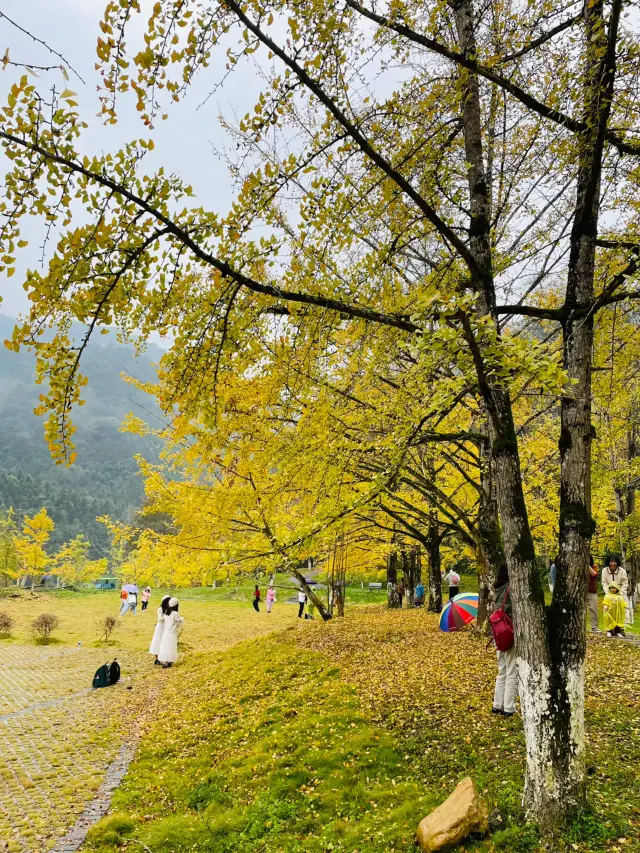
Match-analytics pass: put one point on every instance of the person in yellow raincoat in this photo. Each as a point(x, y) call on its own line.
point(615, 608)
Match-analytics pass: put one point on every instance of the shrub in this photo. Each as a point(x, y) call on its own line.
point(43, 625)
point(6, 624)
point(107, 627)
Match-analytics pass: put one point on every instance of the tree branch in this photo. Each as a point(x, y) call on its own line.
point(365, 146)
point(396, 321)
point(40, 42)
point(524, 97)
point(545, 37)
point(531, 311)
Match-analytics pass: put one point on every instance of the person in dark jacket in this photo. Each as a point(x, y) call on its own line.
point(256, 599)
point(506, 689)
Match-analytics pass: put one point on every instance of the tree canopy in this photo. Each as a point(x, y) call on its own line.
point(434, 231)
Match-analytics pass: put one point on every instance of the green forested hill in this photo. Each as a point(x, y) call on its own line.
point(104, 478)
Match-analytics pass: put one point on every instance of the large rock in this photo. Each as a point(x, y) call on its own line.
point(463, 813)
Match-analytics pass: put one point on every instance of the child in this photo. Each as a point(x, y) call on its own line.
point(168, 654)
point(146, 595)
point(256, 599)
point(615, 608)
point(271, 597)
point(163, 610)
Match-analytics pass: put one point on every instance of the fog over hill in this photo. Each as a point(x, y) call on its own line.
point(104, 479)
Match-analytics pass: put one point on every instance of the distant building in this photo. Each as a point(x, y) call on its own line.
point(106, 583)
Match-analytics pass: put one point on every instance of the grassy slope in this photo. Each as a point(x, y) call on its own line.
point(207, 625)
point(342, 737)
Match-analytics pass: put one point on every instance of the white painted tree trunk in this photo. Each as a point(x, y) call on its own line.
point(555, 745)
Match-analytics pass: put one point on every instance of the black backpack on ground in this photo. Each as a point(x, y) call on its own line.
point(108, 673)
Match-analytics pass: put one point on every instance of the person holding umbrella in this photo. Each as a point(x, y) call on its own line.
point(132, 599)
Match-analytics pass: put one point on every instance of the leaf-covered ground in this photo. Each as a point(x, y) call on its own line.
point(341, 737)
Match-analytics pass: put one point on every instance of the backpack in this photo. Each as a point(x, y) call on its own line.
point(454, 580)
point(108, 673)
point(502, 627)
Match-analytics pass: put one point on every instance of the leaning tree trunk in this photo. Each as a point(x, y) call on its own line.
point(393, 596)
point(550, 651)
point(320, 606)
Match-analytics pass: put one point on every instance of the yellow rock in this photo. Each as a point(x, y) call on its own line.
point(464, 812)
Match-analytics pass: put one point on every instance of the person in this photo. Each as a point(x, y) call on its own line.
point(130, 603)
point(154, 648)
point(302, 600)
point(613, 572)
point(504, 696)
point(168, 653)
point(256, 599)
point(592, 594)
point(146, 595)
point(452, 580)
point(401, 592)
point(419, 596)
point(271, 597)
point(614, 608)
point(553, 570)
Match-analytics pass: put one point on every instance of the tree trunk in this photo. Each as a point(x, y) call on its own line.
point(550, 649)
point(435, 567)
point(632, 557)
point(490, 551)
point(318, 603)
point(408, 578)
point(393, 596)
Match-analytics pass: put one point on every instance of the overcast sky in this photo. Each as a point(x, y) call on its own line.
point(183, 143)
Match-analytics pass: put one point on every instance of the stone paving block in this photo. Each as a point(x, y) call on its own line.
point(63, 745)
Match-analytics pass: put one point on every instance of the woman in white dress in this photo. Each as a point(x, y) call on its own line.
point(168, 654)
point(154, 648)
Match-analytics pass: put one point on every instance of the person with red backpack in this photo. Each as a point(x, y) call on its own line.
point(506, 689)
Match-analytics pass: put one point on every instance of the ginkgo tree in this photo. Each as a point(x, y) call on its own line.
point(441, 205)
point(72, 563)
point(8, 551)
point(33, 559)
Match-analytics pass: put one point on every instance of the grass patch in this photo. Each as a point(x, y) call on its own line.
point(111, 831)
point(341, 737)
point(210, 624)
point(265, 748)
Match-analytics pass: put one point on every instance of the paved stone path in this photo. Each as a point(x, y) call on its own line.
point(63, 746)
point(99, 806)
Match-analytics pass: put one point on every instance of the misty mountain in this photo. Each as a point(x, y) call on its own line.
point(104, 480)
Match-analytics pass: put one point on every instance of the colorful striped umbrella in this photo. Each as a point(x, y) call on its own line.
point(459, 612)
